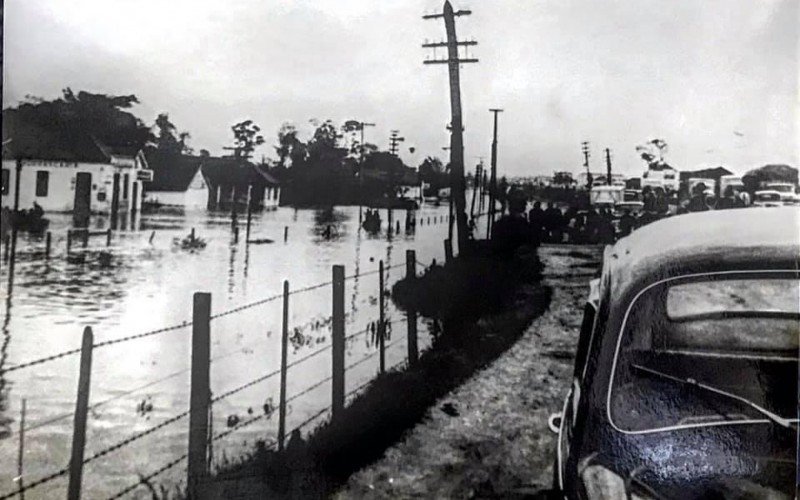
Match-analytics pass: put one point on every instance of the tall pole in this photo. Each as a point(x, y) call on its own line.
point(493, 181)
point(394, 141)
point(585, 150)
point(457, 185)
point(362, 125)
point(608, 166)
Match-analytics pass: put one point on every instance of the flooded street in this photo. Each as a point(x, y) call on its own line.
point(144, 281)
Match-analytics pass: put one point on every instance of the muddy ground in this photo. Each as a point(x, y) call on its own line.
point(489, 437)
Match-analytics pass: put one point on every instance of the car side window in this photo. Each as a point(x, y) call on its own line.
point(584, 339)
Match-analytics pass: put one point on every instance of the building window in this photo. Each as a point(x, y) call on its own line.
point(42, 180)
point(126, 180)
point(6, 180)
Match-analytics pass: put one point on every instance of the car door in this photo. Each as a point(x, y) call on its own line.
point(570, 407)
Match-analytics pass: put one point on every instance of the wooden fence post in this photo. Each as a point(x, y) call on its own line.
point(448, 250)
point(47, 242)
point(21, 452)
point(285, 233)
point(108, 238)
point(381, 320)
point(284, 354)
point(411, 314)
point(200, 394)
point(337, 339)
point(81, 412)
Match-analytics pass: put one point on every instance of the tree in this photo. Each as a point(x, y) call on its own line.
point(432, 171)
point(291, 150)
point(104, 117)
point(387, 170)
point(246, 138)
point(323, 148)
point(652, 152)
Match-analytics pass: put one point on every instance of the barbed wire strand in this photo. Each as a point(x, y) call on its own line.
point(150, 476)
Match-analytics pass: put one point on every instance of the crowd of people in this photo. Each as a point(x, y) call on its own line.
point(547, 222)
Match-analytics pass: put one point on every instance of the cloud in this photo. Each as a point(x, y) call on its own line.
point(613, 73)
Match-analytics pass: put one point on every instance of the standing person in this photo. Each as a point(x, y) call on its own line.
point(661, 205)
point(536, 219)
point(698, 203)
point(727, 200)
point(649, 199)
point(626, 223)
point(553, 219)
point(512, 231)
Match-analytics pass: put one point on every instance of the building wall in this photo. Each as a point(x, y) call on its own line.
point(61, 185)
point(272, 197)
point(196, 196)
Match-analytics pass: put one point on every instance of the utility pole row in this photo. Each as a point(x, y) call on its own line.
point(457, 184)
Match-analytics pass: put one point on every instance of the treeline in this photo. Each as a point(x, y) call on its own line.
point(331, 167)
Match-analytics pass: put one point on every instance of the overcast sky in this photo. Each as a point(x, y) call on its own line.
point(717, 79)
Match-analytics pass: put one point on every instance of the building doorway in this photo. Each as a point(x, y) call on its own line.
point(82, 207)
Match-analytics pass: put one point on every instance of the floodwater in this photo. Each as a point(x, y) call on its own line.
point(145, 281)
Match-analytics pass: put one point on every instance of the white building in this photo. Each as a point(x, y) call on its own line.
point(177, 181)
point(70, 174)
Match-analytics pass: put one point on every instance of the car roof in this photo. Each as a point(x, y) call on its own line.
point(750, 238)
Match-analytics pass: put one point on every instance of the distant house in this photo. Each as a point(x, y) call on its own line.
point(233, 181)
point(67, 170)
point(706, 173)
point(177, 180)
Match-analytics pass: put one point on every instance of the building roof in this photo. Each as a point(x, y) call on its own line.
point(705, 173)
point(751, 238)
point(228, 170)
point(171, 172)
point(35, 142)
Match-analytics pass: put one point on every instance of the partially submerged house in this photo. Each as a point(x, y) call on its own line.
point(68, 170)
point(232, 181)
point(177, 180)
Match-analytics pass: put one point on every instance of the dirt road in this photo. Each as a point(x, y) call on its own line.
point(489, 437)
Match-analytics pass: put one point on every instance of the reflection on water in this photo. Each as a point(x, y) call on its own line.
point(144, 281)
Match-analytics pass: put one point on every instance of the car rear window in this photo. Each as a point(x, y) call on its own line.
point(733, 296)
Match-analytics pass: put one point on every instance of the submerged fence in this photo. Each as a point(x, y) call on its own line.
point(201, 400)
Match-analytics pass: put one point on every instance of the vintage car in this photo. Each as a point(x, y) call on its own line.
point(767, 198)
point(685, 380)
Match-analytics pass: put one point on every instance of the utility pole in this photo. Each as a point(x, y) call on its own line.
point(457, 185)
point(394, 141)
point(361, 125)
point(608, 166)
point(585, 150)
point(493, 181)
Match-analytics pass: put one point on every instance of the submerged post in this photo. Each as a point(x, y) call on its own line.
point(69, 239)
point(249, 212)
point(47, 242)
point(7, 243)
point(81, 412)
point(108, 237)
point(284, 354)
point(381, 320)
point(200, 393)
point(411, 313)
point(86, 237)
point(448, 250)
point(337, 338)
point(285, 233)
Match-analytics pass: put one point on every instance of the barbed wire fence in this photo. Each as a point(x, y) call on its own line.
point(383, 326)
